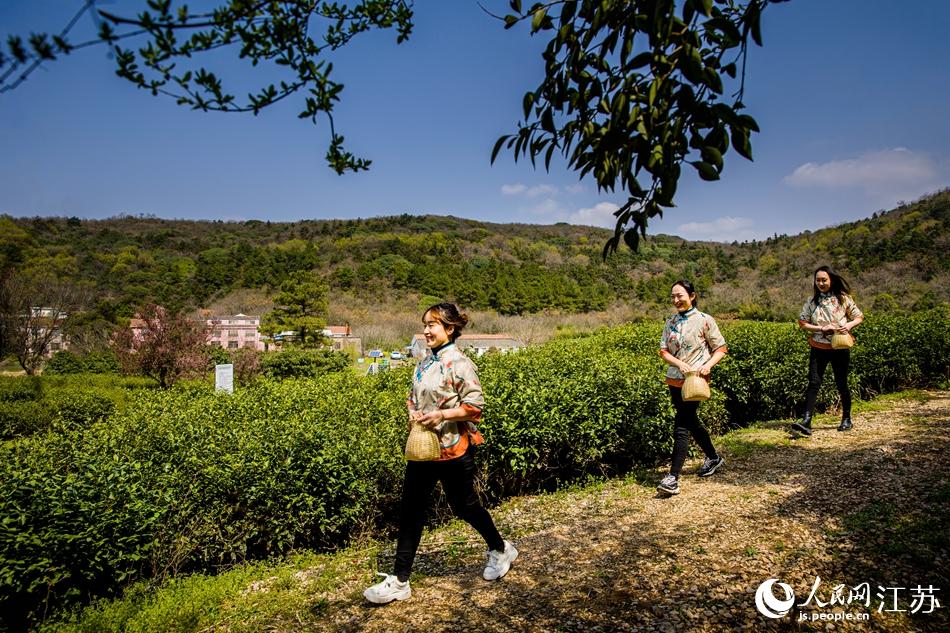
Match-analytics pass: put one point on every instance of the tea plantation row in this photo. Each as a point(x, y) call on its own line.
point(190, 480)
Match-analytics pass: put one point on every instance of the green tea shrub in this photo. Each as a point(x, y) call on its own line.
point(20, 388)
point(66, 362)
point(188, 479)
point(23, 417)
point(76, 407)
point(897, 352)
point(302, 363)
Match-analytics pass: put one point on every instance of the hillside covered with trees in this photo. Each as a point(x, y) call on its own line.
point(896, 260)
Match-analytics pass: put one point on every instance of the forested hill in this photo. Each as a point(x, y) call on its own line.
point(895, 260)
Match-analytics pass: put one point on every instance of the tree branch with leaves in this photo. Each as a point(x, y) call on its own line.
point(258, 31)
point(632, 90)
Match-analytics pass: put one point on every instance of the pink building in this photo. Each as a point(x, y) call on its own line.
point(235, 331)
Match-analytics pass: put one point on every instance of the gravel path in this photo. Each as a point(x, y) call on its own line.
point(871, 505)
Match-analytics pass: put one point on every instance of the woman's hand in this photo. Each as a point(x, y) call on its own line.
point(432, 419)
point(844, 330)
point(684, 368)
point(704, 371)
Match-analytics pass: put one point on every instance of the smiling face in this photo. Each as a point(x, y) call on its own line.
point(435, 332)
point(681, 298)
point(822, 281)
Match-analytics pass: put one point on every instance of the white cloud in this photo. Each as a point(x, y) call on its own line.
point(549, 209)
point(724, 229)
point(601, 214)
point(513, 190)
point(575, 188)
point(520, 189)
point(877, 173)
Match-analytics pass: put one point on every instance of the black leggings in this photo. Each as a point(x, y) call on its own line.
point(817, 363)
point(686, 424)
point(458, 481)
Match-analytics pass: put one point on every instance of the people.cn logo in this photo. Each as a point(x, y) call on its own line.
point(770, 606)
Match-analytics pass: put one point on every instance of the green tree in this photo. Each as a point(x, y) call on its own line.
point(301, 308)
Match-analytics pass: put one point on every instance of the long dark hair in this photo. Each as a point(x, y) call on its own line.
point(688, 287)
point(448, 314)
point(839, 285)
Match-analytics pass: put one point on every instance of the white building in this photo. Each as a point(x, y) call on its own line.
point(480, 343)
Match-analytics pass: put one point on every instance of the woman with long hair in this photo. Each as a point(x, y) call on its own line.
point(830, 310)
point(691, 341)
point(446, 396)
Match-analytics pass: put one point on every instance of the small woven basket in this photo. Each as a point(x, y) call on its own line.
point(842, 341)
point(422, 444)
point(695, 388)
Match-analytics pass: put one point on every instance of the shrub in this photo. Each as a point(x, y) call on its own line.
point(20, 418)
point(80, 407)
point(20, 389)
point(302, 363)
point(66, 362)
point(247, 365)
point(189, 479)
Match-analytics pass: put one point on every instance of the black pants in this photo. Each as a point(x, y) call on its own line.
point(817, 364)
point(686, 424)
point(458, 481)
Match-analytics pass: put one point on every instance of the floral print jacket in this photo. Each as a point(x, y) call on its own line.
point(830, 312)
point(446, 378)
point(692, 337)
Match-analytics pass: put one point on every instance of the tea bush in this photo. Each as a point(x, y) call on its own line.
point(189, 479)
point(66, 362)
point(302, 363)
point(33, 404)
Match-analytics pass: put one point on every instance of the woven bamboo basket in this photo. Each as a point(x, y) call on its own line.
point(842, 341)
point(422, 445)
point(695, 388)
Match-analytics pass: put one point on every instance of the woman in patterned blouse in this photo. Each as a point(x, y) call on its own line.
point(691, 342)
point(446, 396)
point(831, 309)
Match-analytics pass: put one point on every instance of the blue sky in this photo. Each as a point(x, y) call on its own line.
point(851, 97)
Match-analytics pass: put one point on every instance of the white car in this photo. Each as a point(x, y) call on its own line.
point(396, 356)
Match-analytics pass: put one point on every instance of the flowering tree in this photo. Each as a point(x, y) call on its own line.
point(162, 345)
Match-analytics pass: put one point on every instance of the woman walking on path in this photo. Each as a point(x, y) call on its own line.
point(691, 342)
point(831, 310)
point(446, 396)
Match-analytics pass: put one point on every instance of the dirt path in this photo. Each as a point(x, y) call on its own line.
point(869, 506)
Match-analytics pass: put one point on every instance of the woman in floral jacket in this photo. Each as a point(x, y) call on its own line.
point(830, 310)
point(691, 341)
point(446, 396)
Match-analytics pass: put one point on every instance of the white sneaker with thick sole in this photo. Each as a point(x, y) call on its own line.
point(388, 590)
point(499, 562)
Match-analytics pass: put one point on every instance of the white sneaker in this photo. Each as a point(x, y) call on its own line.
point(499, 562)
point(388, 590)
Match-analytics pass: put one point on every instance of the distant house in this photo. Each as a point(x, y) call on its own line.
point(44, 319)
point(235, 331)
point(479, 343)
point(341, 338)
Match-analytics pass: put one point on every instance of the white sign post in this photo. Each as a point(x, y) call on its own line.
point(224, 378)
